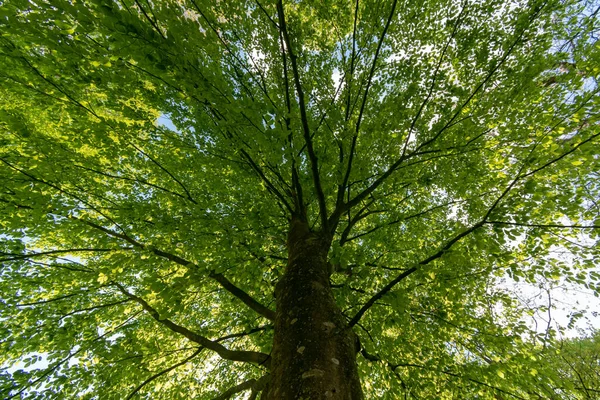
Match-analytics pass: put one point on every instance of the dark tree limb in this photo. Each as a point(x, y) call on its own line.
point(266, 180)
point(352, 61)
point(297, 187)
point(59, 298)
point(215, 115)
point(243, 296)
point(135, 180)
point(520, 175)
point(543, 225)
point(342, 187)
point(152, 22)
point(223, 352)
point(346, 238)
point(98, 307)
point(259, 387)
point(375, 358)
point(164, 371)
point(159, 165)
point(367, 191)
point(304, 120)
point(220, 278)
point(486, 79)
point(57, 188)
point(14, 257)
point(254, 384)
point(411, 270)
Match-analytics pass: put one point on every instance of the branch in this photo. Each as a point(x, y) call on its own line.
point(456, 375)
point(393, 367)
point(232, 53)
point(362, 195)
point(544, 225)
point(345, 238)
point(485, 80)
point(60, 89)
point(298, 197)
point(135, 180)
point(59, 298)
point(164, 371)
point(153, 23)
point(433, 80)
point(243, 296)
point(518, 176)
point(241, 334)
point(253, 384)
point(220, 278)
point(55, 187)
point(352, 60)
point(223, 352)
point(216, 114)
point(98, 307)
point(267, 14)
point(458, 237)
point(410, 271)
point(45, 253)
point(379, 295)
point(159, 165)
point(262, 175)
point(304, 119)
point(342, 188)
point(259, 386)
point(57, 365)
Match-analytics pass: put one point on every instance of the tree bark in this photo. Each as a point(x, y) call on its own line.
point(314, 351)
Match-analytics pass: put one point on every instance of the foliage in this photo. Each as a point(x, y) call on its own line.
point(578, 363)
point(153, 152)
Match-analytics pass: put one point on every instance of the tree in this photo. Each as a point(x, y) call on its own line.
point(578, 362)
point(207, 199)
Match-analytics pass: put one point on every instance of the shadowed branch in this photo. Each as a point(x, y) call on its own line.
point(222, 351)
point(220, 278)
point(304, 119)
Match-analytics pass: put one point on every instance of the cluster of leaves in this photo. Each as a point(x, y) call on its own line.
point(446, 146)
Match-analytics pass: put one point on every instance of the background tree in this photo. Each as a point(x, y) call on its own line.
point(207, 199)
point(578, 362)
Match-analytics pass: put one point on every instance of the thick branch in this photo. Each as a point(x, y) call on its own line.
point(304, 119)
point(362, 195)
point(220, 278)
point(411, 270)
point(375, 358)
point(342, 188)
point(253, 384)
point(243, 296)
point(297, 197)
point(222, 351)
point(14, 257)
point(543, 225)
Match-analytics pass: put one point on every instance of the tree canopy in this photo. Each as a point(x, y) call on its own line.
point(153, 153)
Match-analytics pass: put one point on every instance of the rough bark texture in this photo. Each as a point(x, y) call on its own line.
point(314, 352)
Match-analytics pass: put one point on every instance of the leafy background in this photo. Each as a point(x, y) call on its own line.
point(136, 133)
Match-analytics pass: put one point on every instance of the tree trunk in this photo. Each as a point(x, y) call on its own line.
point(314, 351)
